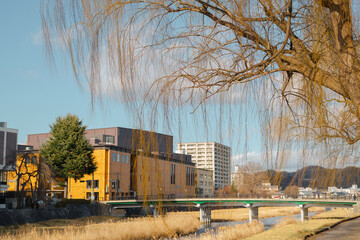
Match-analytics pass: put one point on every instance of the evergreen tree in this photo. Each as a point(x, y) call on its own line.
point(67, 151)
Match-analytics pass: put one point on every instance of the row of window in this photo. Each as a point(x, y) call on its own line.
point(32, 160)
point(201, 183)
point(204, 176)
point(124, 158)
point(88, 184)
point(190, 176)
point(115, 184)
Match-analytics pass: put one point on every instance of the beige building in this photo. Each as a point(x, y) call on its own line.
point(204, 182)
point(237, 177)
point(212, 156)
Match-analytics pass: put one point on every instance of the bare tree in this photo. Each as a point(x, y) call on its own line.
point(302, 53)
point(291, 191)
point(24, 174)
point(32, 175)
point(249, 178)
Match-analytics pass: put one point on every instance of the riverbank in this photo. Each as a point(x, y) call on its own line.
point(173, 224)
point(133, 228)
point(298, 230)
point(285, 228)
point(242, 214)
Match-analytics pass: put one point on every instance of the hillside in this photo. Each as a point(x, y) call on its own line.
point(316, 176)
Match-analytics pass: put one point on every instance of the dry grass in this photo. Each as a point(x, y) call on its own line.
point(338, 213)
point(58, 223)
point(139, 228)
point(286, 221)
point(298, 230)
point(147, 228)
point(242, 214)
point(242, 231)
point(233, 232)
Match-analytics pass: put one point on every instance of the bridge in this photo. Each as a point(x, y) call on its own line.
point(206, 204)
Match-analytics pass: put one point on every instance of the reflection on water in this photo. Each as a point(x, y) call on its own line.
point(268, 223)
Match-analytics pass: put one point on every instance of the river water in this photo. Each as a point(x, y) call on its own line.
point(268, 223)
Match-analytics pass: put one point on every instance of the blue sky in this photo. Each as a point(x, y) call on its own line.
point(33, 95)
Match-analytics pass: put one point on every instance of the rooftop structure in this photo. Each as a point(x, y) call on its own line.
point(131, 139)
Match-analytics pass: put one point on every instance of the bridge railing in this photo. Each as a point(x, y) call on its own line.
point(320, 196)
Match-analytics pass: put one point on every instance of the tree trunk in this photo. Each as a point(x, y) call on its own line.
point(66, 188)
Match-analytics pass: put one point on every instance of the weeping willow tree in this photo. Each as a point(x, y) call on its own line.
point(296, 59)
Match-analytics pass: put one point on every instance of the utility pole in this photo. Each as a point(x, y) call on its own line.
point(117, 184)
point(92, 190)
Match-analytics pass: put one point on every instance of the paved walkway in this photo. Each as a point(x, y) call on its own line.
point(345, 230)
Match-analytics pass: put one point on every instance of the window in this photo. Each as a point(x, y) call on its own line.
point(27, 160)
point(127, 158)
point(172, 175)
point(192, 176)
point(3, 178)
point(108, 139)
point(113, 185)
point(187, 176)
point(123, 158)
point(114, 157)
point(96, 183)
point(88, 184)
point(118, 157)
point(33, 160)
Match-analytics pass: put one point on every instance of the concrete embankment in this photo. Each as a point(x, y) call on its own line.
point(71, 211)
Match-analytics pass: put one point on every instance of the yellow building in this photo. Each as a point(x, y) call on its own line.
point(122, 175)
point(111, 179)
point(130, 163)
point(25, 177)
point(32, 177)
point(119, 175)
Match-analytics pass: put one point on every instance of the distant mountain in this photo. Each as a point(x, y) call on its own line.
point(316, 176)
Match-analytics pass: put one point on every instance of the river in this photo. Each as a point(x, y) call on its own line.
point(268, 223)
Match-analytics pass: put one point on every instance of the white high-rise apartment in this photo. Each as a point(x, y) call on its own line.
point(212, 156)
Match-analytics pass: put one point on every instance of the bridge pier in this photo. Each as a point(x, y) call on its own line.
point(253, 213)
point(205, 214)
point(304, 213)
point(156, 212)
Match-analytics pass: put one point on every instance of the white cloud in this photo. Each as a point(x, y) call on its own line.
point(285, 160)
point(37, 38)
